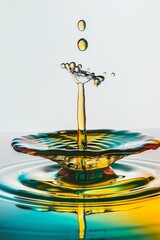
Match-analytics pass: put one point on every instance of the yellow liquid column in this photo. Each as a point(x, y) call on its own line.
point(81, 218)
point(81, 117)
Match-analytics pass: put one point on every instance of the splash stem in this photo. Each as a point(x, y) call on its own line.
point(81, 118)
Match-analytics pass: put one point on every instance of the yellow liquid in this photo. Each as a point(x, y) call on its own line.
point(81, 118)
point(132, 194)
point(82, 44)
point(81, 25)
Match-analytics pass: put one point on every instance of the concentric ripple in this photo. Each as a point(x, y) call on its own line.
point(104, 147)
point(38, 185)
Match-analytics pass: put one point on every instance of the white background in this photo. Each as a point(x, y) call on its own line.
point(36, 36)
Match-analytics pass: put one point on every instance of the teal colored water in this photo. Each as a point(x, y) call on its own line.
point(30, 211)
point(21, 224)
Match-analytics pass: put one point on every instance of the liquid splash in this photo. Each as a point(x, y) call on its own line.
point(104, 147)
point(86, 184)
point(81, 76)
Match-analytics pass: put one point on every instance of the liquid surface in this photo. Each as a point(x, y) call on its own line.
point(44, 184)
point(35, 190)
point(31, 209)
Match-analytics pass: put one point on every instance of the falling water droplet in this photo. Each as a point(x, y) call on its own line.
point(82, 44)
point(81, 25)
point(88, 69)
point(113, 74)
point(104, 73)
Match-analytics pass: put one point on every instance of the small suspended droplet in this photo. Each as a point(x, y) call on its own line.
point(82, 44)
point(82, 76)
point(80, 66)
point(104, 73)
point(97, 82)
point(62, 65)
point(88, 69)
point(81, 25)
point(77, 69)
point(113, 74)
point(72, 65)
point(67, 66)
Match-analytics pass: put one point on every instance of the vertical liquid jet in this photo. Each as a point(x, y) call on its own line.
point(81, 77)
point(81, 118)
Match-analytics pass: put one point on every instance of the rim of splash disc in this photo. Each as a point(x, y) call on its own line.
point(135, 142)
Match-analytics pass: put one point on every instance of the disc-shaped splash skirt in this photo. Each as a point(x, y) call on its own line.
point(104, 147)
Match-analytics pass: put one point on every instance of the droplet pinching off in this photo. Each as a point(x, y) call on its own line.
point(98, 80)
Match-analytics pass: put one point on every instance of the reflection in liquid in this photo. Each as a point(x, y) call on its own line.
point(41, 187)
